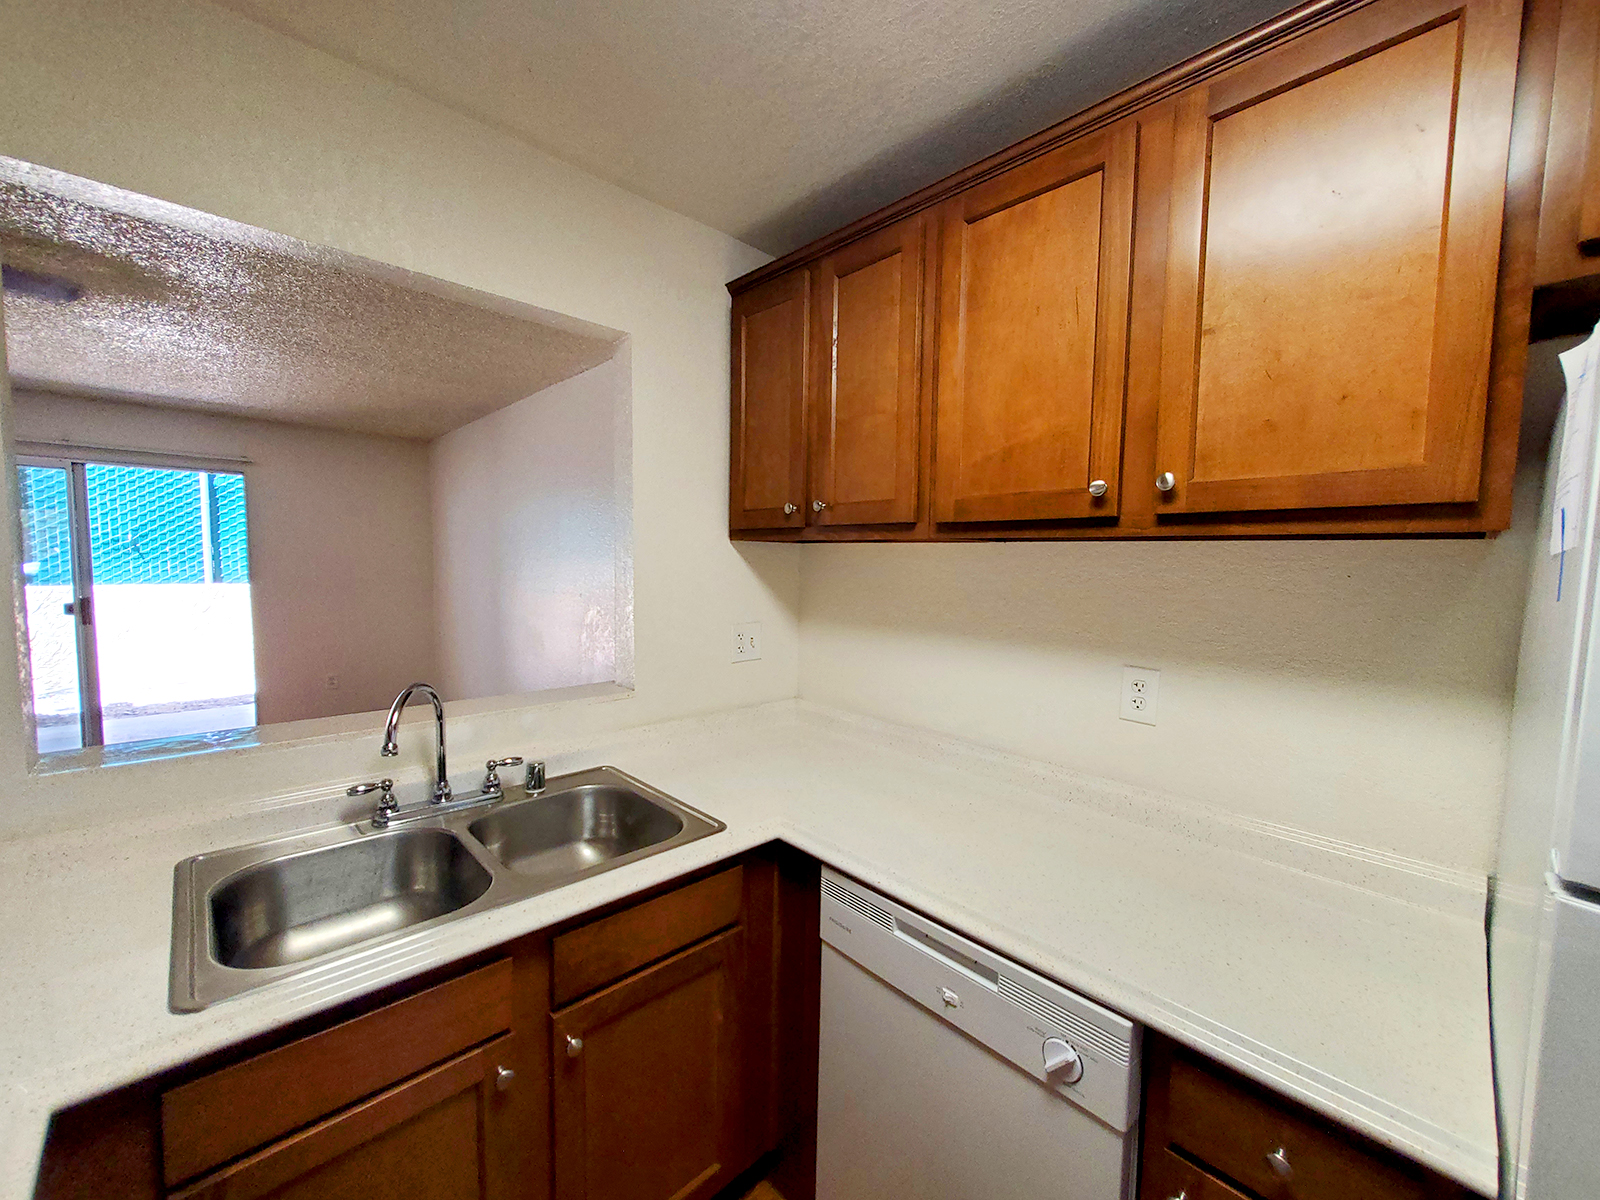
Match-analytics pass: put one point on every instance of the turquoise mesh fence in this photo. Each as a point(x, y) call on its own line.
point(46, 525)
point(144, 525)
point(233, 547)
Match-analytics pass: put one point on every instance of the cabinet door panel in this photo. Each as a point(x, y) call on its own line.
point(1335, 245)
point(767, 456)
point(647, 1086)
point(1033, 336)
point(1569, 217)
point(438, 1136)
point(868, 379)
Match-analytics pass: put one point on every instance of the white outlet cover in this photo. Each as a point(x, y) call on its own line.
point(1141, 688)
point(747, 642)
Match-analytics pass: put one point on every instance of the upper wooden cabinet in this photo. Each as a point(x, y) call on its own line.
point(1283, 288)
point(1331, 273)
point(1034, 277)
point(768, 474)
point(867, 379)
point(1569, 228)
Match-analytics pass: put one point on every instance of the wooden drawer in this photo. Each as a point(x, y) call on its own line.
point(1240, 1133)
point(243, 1107)
point(603, 951)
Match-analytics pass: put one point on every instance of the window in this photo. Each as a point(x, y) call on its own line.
point(137, 584)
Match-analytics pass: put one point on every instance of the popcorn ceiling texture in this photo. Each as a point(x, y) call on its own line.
point(770, 120)
point(255, 325)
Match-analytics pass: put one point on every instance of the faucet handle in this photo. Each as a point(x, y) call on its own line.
point(535, 781)
point(492, 779)
point(387, 804)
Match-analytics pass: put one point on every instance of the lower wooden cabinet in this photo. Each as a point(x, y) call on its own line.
point(441, 1135)
point(1211, 1135)
point(652, 1051)
point(648, 1081)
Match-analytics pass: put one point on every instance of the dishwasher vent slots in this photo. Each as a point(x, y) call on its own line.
point(857, 902)
point(1113, 1048)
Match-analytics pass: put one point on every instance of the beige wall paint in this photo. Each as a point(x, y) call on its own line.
point(526, 518)
point(1356, 690)
point(341, 544)
point(183, 101)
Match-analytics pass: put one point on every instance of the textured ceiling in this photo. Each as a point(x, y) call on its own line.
point(774, 121)
point(196, 312)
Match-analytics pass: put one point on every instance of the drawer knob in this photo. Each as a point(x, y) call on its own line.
point(788, 510)
point(1179, 1196)
point(574, 1046)
point(1278, 1160)
point(818, 505)
point(1097, 488)
point(1166, 481)
point(503, 1077)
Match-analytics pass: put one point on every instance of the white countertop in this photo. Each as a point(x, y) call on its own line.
point(1351, 980)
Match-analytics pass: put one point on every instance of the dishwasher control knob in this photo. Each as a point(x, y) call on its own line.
point(1061, 1060)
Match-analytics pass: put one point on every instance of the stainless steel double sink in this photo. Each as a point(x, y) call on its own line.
point(307, 902)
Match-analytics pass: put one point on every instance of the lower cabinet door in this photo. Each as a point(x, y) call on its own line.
point(647, 1080)
point(439, 1135)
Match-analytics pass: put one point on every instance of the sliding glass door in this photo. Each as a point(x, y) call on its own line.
point(137, 581)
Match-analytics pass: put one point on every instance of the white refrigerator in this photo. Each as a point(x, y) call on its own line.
point(1544, 933)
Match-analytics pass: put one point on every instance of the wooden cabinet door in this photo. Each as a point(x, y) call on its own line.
point(438, 1136)
point(647, 1081)
point(867, 379)
point(1033, 327)
point(1569, 216)
point(767, 467)
point(1334, 252)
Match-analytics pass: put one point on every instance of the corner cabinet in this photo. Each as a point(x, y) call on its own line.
point(1281, 289)
point(647, 1087)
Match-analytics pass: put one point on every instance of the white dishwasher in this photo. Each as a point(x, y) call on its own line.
point(948, 1073)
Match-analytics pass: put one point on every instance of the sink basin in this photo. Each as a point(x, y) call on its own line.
point(308, 903)
point(574, 831)
point(291, 909)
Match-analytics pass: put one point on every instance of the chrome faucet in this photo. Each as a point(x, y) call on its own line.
point(391, 730)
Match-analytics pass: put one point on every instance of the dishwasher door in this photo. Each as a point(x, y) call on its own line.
point(911, 1107)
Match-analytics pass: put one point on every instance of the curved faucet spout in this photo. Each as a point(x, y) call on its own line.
point(391, 733)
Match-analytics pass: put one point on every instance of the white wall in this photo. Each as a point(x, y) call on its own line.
point(1357, 690)
point(341, 543)
point(186, 102)
point(525, 520)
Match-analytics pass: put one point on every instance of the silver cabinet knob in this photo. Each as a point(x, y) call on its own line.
point(1166, 481)
point(1278, 1160)
point(1179, 1196)
point(503, 1077)
point(789, 510)
point(1097, 488)
point(574, 1046)
point(818, 505)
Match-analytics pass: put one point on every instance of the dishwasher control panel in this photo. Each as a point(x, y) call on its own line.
point(1078, 1049)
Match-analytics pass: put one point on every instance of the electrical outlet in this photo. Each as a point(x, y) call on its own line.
point(1141, 686)
point(747, 642)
